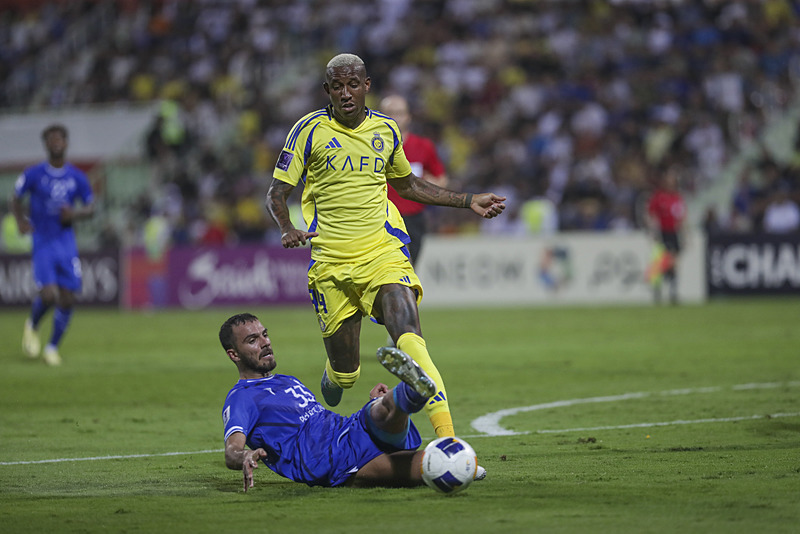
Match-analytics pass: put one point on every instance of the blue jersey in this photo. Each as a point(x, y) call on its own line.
point(304, 441)
point(50, 188)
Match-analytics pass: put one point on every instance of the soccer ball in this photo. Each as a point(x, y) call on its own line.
point(449, 465)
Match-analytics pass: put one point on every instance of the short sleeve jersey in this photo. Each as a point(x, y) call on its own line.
point(304, 441)
point(344, 173)
point(50, 188)
point(668, 209)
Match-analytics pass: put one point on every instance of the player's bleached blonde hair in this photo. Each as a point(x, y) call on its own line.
point(346, 60)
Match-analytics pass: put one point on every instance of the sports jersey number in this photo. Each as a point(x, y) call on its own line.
point(302, 394)
point(318, 299)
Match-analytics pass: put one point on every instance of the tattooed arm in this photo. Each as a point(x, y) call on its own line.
point(486, 205)
point(276, 205)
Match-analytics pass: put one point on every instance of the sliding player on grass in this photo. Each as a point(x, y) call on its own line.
point(284, 426)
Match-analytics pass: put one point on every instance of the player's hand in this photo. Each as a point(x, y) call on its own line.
point(249, 463)
point(24, 226)
point(378, 391)
point(294, 238)
point(488, 205)
point(66, 215)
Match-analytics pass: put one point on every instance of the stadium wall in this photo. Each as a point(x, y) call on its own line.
point(563, 269)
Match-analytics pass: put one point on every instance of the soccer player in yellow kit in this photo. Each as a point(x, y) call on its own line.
point(345, 153)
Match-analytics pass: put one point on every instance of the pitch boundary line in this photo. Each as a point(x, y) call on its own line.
point(491, 422)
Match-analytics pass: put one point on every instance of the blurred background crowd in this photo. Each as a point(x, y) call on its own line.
point(571, 109)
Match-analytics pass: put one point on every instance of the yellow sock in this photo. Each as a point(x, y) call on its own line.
point(437, 409)
point(343, 380)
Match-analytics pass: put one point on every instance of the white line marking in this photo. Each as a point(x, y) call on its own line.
point(119, 457)
point(489, 424)
point(646, 425)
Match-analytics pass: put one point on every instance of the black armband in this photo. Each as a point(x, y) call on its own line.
point(468, 200)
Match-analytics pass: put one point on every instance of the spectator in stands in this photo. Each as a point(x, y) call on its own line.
point(782, 214)
point(627, 77)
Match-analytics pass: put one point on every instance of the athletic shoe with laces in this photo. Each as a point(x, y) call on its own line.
point(51, 356)
point(330, 391)
point(30, 340)
point(480, 473)
point(406, 369)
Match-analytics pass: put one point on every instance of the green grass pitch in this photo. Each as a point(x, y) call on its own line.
point(614, 419)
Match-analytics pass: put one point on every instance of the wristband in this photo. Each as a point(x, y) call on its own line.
point(469, 200)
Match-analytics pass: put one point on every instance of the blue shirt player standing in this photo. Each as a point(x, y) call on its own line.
point(53, 187)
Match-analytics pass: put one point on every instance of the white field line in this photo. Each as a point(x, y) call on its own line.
point(643, 425)
point(116, 457)
point(489, 424)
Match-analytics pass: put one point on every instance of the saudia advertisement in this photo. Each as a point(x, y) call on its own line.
point(243, 275)
point(758, 264)
point(196, 278)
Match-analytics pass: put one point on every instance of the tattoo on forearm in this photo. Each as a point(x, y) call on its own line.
point(276, 203)
point(423, 191)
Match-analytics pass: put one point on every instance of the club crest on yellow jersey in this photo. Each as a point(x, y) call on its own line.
point(377, 142)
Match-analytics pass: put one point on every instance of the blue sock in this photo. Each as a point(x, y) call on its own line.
point(407, 399)
point(38, 310)
point(60, 322)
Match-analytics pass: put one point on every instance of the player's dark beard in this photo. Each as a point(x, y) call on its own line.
point(261, 366)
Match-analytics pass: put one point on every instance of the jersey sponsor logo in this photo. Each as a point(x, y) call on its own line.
point(377, 142)
point(317, 408)
point(361, 164)
point(284, 160)
point(226, 416)
point(334, 143)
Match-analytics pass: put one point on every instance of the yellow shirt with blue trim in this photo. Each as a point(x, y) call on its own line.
point(344, 172)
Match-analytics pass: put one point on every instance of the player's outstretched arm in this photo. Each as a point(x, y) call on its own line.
point(411, 187)
point(279, 210)
point(237, 457)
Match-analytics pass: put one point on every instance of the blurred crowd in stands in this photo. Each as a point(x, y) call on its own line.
point(571, 109)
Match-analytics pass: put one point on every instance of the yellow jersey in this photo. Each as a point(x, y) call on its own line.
point(344, 172)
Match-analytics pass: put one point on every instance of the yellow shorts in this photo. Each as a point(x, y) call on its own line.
point(338, 290)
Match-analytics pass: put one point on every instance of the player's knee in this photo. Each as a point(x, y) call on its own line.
point(49, 295)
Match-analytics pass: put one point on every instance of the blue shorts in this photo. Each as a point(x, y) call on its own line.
point(357, 445)
point(57, 264)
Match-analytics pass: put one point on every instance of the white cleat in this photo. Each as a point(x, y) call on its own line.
point(480, 473)
point(51, 356)
point(30, 340)
point(406, 369)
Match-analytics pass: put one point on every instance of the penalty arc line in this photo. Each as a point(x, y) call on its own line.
point(640, 425)
point(489, 424)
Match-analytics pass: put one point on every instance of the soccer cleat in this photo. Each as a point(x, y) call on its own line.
point(30, 340)
point(406, 369)
point(330, 391)
point(51, 356)
point(480, 473)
